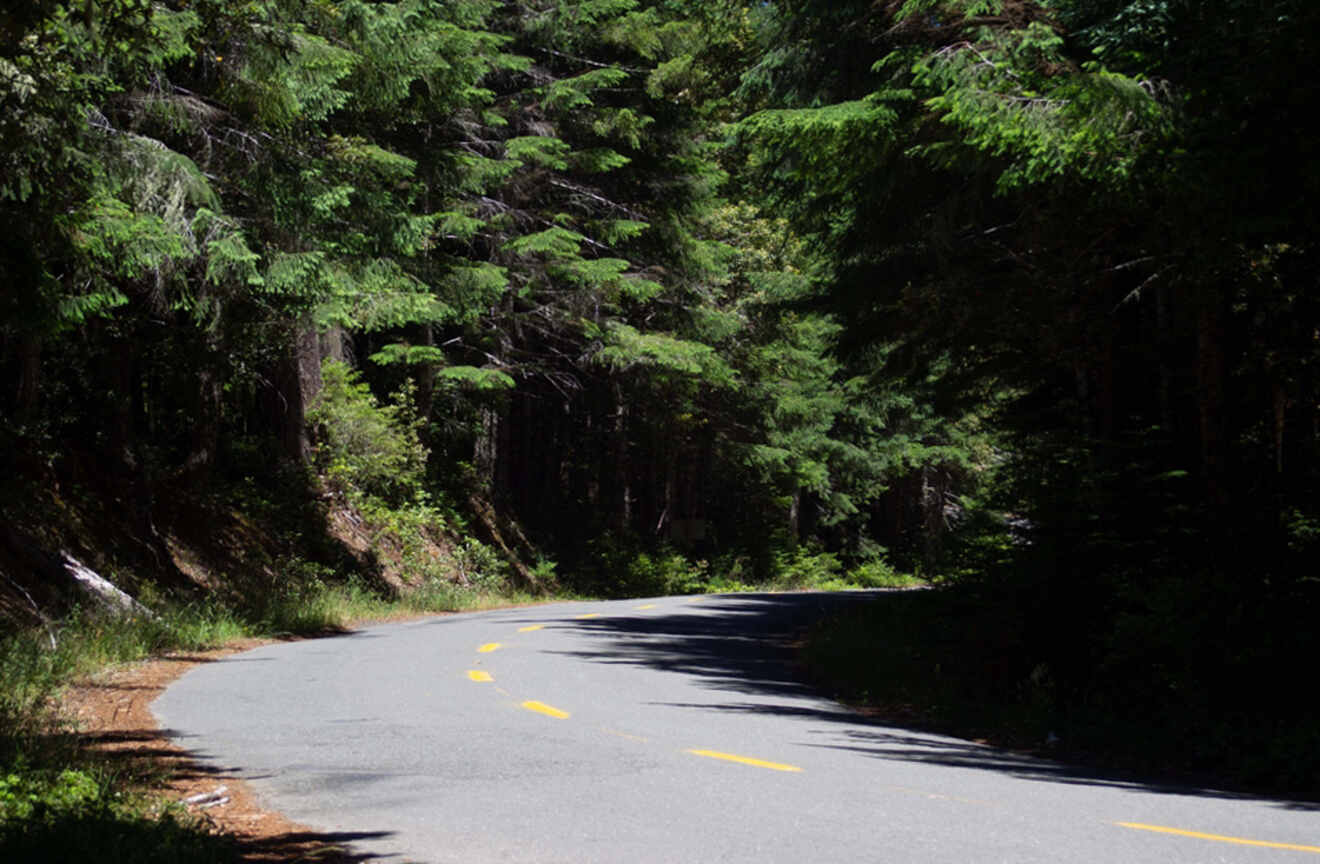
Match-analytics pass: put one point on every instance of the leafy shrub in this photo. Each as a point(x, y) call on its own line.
point(664, 573)
point(35, 795)
point(363, 446)
point(879, 574)
point(803, 568)
point(479, 565)
point(617, 566)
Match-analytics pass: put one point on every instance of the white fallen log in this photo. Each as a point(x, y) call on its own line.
point(99, 589)
point(219, 802)
point(208, 799)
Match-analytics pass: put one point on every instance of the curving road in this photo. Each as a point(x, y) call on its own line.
point(665, 730)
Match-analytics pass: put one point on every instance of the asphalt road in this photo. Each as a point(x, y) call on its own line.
point(666, 730)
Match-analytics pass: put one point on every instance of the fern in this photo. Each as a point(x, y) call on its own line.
point(475, 378)
point(539, 150)
point(553, 242)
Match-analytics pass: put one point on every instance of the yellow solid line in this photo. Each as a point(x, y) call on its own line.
point(1241, 841)
point(590, 615)
point(479, 675)
point(488, 647)
point(530, 627)
point(745, 760)
point(647, 606)
point(542, 708)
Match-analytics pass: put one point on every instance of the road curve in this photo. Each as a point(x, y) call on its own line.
point(663, 730)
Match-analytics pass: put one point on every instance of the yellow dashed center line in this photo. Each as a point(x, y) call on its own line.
point(547, 710)
point(590, 615)
point(479, 675)
point(1219, 838)
point(744, 760)
point(488, 647)
point(530, 627)
point(647, 606)
point(618, 734)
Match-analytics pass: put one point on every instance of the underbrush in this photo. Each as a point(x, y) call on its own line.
point(36, 665)
point(59, 803)
point(620, 567)
point(972, 660)
point(935, 659)
point(83, 814)
point(806, 569)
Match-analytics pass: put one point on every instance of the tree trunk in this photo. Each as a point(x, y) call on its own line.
point(794, 517)
point(1164, 346)
point(1210, 399)
point(29, 374)
point(299, 383)
point(1280, 422)
point(206, 427)
point(1106, 386)
point(425, 377)
point(332, 346)
point(133, 477)
point(486, 450)
point(622, 509)
point(119, 369)
point(934, 487)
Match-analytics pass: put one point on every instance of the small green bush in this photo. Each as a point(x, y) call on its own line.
point(618, 566)
point(804, 568)
point(363, 446)
point(881, 574)
point(36, 795)
point(479, 566)
point(664, 573)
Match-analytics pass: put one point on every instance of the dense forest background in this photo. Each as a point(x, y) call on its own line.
point(619, 296)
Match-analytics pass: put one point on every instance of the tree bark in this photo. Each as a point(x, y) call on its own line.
point(425, 378)
point(1210, 399)
point(29, 374)
point(206, 427)
point(794, 517)
point(1164, 346)
point(486, 451)
point(619, 459)
point(299, 383)
point(1280, 423)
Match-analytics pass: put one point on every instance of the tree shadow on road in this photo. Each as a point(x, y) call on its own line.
point(751, 648)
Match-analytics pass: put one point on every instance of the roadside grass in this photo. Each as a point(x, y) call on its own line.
point(61, 802)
